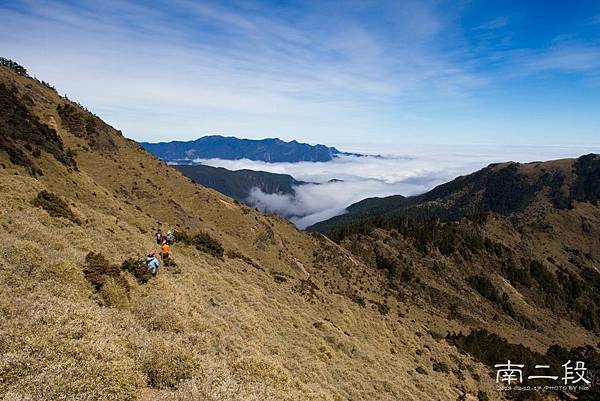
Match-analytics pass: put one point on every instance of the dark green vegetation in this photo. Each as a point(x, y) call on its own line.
point(492, 349)
point(231, 254)
point(487, 289)
point(202, 241)
point(98, 270)
point(138, 269)
point(502, 189)
point(83, 124)
point(23, 136)
point(238, 184)
point(22, 71)
point(570, 293)
point(55, 206)
point(587, 186)
point(107, 280)
point(270, 150)
point(16, 67)
point(426, 234)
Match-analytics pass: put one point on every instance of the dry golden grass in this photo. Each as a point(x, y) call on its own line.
point(216, 329)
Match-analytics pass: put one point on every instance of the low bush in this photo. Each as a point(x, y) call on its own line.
point(55, 206)
point(441, 367)
point(202, 241)
point(20, 125)
point(205, 243)
point(182, 236)
point(231, 254)
point(485, 287)
point(97, 269)
point(138, 269)
point(106, 279)
point(544, 277)
point(386, 263)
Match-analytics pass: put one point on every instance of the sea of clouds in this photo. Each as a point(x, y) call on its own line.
point(391, 171)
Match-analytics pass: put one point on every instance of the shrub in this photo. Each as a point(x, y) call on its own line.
point(590, 319)
point(55, 206)
point(182, 236)
point(169, 262)
point(544, 277)
point(383, 262)
point(485, 287)
point(138, 269)
point(97, 269)
point(232, 254)
point(441, 367)
point(13, 65)
point(71, 153)
point(408, 275)
point(106, 279)
point(516, 274)
point(205, 243)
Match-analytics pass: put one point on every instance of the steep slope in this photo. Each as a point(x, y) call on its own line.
point(509, 250)
point(270, 150)
point(501, 188)
point(256, 310)
point(238, 184)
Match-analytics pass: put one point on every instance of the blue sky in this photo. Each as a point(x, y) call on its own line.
point(390, 72)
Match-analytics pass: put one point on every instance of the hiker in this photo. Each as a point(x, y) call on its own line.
point(166, 249)
point(163, 238)
point(170, 238)
point(152, 263)
point(158, 236)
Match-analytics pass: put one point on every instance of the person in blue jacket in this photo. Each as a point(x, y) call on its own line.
point(152, 263)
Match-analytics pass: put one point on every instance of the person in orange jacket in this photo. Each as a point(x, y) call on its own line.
point(165, 250)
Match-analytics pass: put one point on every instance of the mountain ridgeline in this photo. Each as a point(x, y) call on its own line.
point(239, 183)
point(503, 188)
point(270, 150)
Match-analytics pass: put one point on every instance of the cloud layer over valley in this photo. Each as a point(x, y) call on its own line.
point(409, 172)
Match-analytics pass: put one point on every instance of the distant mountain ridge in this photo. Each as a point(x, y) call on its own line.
point(238, 183)
point(271, 150)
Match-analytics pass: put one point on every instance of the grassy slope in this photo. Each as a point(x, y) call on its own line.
point(217, 329)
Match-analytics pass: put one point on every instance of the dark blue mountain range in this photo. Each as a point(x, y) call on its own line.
point(270, 150)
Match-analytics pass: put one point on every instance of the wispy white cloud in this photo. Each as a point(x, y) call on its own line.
point(311, 70)
point(207, 62)
point(496, 23)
